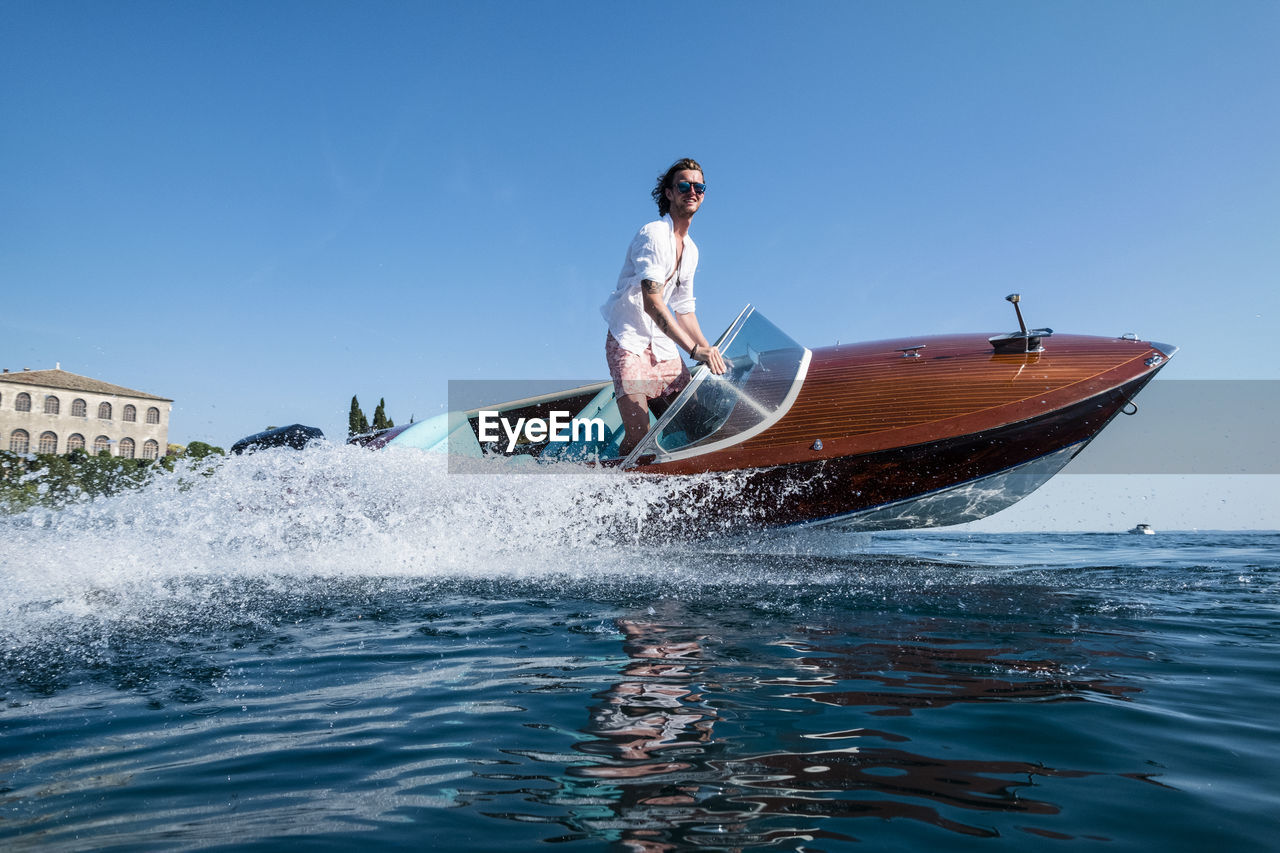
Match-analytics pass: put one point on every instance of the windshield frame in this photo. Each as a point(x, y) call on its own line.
point(648, 445)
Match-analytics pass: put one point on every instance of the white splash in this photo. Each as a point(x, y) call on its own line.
point(333, 513)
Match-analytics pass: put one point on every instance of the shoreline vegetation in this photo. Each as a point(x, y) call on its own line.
point(54, 481)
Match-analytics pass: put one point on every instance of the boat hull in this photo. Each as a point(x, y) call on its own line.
point(927, 432)
point(947, 481)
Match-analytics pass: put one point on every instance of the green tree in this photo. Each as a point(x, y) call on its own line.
point(380, 419)
point(357, 423)
point(55, 481)
point(199, 450)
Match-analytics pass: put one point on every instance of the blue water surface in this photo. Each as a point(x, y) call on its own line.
point(372, 653)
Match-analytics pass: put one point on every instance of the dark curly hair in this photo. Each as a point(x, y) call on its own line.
point(664, 181)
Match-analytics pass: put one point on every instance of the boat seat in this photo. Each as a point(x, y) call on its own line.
point(605, 407)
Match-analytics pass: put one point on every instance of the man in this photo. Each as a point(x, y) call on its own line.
point(650, 312)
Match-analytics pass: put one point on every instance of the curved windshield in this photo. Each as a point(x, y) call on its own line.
point(766, 368)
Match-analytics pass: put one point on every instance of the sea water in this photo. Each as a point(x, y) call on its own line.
point(334, 648)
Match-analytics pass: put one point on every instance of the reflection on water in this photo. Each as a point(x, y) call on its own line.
point(654, 710)
point(653, 730)
point(941, 672)
point(895, 784)
point(669, 759)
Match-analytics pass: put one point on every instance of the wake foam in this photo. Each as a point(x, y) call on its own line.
point(221, 542)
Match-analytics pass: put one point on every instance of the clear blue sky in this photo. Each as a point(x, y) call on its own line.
point(260, 209)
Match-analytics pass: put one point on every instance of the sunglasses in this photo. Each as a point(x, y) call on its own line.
point(683, 187)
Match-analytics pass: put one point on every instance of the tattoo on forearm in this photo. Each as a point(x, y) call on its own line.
point(661, 319)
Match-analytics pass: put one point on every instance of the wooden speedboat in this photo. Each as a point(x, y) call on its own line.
point(915, 432)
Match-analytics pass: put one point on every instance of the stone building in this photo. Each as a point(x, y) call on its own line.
point(53, 411)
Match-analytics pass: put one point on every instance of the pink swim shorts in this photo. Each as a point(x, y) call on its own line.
point(642, 373)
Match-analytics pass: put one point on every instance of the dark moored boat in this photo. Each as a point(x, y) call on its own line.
point(916, 432)
point(295, 436)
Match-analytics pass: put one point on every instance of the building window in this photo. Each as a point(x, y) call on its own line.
point(79, 408)
point(48, 443)
point(19, 441)
point(104, 411)
point(52, 405)
point(75, 441)
point(22, 403)
point(101, 444)
point(153, 415)
point(126, 448)
point(131, 413)
point(150, 449)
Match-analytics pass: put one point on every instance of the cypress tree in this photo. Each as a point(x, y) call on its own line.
point(357, 423)
point(380, 416)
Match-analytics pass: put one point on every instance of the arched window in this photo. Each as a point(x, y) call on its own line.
point(131, 413)
point(19, 441)
point(52, 405)
point(153, 415)
point(48, 443)
point(126, 448)
point(101, 444)
point(150, 449)
point(79, 408)
point(104, 411)
point(22, 403)
point(75, 441)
